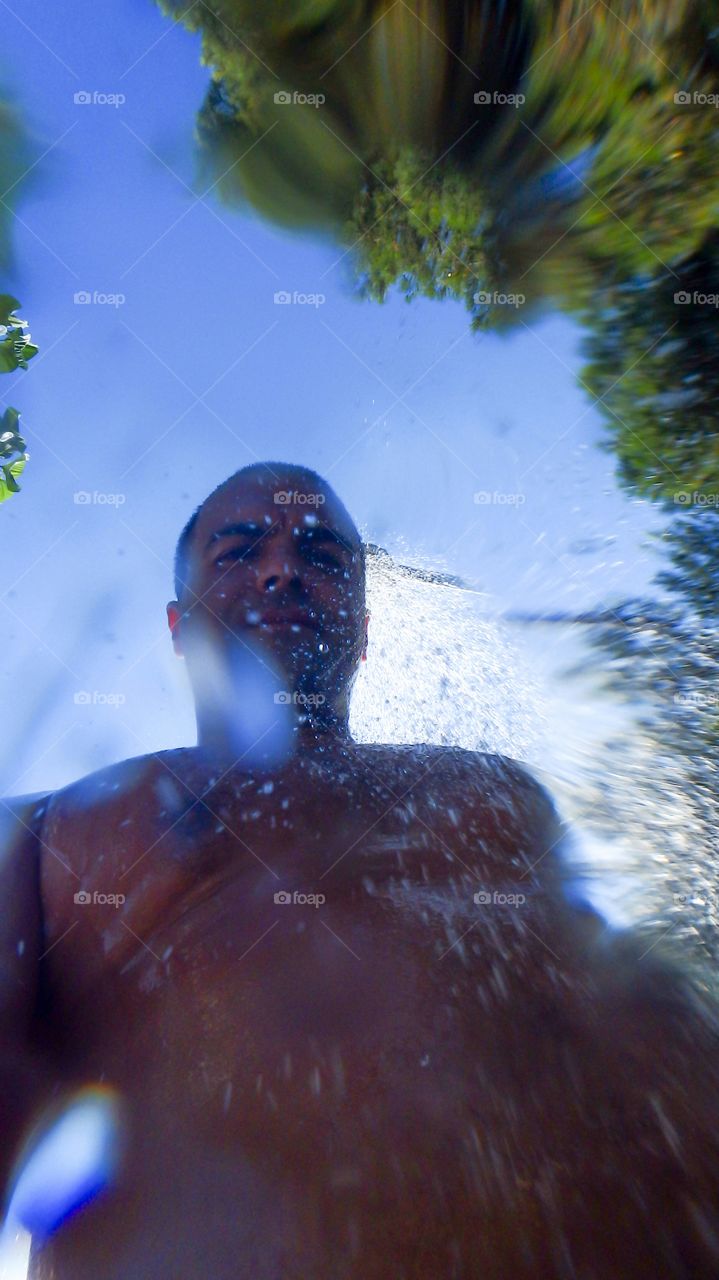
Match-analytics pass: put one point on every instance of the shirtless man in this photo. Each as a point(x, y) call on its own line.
point(358, 1027)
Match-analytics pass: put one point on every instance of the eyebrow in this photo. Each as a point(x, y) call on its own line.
point(246, 530)
point(250, 529)
point(323, 532)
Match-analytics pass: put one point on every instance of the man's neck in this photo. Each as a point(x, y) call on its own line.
point(312, 734)
point(315, 734)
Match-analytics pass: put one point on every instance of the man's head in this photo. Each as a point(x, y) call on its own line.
point(272, 559)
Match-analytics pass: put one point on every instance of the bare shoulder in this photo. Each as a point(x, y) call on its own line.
point(477, 801)
point(95, 824)
point(114, 783)
point(26, 811)
point(459, 761)
point(476, 779)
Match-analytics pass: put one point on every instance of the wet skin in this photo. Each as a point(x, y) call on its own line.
point(397, 1082)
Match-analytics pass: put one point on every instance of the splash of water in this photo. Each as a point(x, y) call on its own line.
point(445, 669)
point(440, 670)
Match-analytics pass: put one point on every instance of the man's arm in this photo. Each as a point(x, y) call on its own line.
point(25, 1075)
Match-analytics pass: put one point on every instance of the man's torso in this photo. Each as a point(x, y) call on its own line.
point(336, 1062)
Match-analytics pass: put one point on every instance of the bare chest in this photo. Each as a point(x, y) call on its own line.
point(257, 932)
point(181, 826)
point(180, 852)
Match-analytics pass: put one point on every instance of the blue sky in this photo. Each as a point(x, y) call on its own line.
point(147, 404)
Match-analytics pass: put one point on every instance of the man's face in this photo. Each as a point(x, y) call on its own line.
point(275, 563)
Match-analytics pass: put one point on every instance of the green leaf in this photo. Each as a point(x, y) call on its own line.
point(10, 420)
point(8, 304)
point(10, 480)
point(15, 351)
point(15, 445)
point(11, 442)
point(8, 483)
point(8, 357)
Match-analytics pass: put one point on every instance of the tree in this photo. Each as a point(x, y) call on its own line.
point(661, 657)
point(559, 152)
point(16, 346)
point(313, 107)
point(653, 360)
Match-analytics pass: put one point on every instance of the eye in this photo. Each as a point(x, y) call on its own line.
point(235, 553)
point(321, 554)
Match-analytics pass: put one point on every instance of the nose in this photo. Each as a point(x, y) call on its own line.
point(279, 571)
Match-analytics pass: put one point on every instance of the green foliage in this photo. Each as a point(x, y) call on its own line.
point(14, 161)
point(16, 345)
point(691, 576)
point(653, 359)
point(584, 178)
point(655, 789)
point(11, 443)
point(425, 233)
point(665, 656)
point(605, 84)
point(380, 80)
point(16, 348)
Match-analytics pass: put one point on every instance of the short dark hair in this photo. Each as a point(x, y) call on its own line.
point(182, 550)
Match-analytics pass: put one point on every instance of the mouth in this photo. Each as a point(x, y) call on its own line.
point(291, 619)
